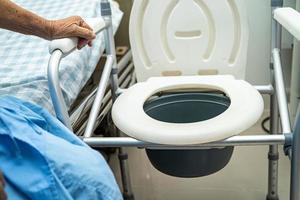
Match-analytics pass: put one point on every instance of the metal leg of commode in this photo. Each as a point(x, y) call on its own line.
point(126, 183)
point(273, 154)
point(124, 170)
point(122, 155)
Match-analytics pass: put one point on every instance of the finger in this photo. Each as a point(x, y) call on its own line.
point(85, 25)
point(81, 43)
point(84, 33)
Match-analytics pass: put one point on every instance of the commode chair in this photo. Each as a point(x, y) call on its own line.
point(181, 56)
point(191, 101)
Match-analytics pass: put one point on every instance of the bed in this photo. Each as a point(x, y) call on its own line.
point(24, 59)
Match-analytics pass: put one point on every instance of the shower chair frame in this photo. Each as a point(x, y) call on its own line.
point(278, 113)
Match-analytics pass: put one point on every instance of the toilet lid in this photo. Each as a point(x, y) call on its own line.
point(245, 109)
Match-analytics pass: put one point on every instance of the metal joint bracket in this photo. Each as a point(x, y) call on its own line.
point(105, 9)
point(114, 71)
point(273, 156)
point(276, 3)
point(123, 156)
point(120, 91)
point(288, 143)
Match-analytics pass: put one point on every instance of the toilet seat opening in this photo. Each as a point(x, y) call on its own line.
point(186, 106)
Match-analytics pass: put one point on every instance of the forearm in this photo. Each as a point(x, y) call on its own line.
point(15, 18)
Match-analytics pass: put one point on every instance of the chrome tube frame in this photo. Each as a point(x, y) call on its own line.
point(273, 154)
point(251, 140)
point(277, 91)
point(265, 89)
point(281, 94)
point(111, 71)
point(55, 90)
point(99, 95)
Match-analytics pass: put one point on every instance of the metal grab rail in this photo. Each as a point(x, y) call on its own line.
point(55, 89)
point(281, 94)
point(60, 48)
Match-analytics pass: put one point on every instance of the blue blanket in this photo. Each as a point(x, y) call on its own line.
point(41, 159)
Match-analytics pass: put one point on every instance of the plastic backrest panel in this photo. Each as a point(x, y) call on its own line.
point(189, 37)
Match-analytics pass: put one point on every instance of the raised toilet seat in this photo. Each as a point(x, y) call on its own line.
point(245, 109)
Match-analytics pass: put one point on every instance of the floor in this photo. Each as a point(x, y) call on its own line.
point(244, 178)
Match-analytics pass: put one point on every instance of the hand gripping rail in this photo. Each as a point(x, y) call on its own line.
point(67, 45)
point(58, 49)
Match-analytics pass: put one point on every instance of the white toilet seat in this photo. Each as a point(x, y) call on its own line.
point(245, 109)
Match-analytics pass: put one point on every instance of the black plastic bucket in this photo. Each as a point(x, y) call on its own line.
point(188, 108)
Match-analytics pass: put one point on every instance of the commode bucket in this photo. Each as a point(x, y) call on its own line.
point(188, 108)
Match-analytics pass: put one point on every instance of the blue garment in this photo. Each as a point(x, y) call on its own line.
point(41, 159)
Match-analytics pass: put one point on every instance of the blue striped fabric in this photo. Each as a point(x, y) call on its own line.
point(24, 59)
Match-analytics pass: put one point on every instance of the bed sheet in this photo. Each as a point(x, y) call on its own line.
point(24, 59)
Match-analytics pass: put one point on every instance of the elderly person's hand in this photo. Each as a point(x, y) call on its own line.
point(73, 26)
point(15, 18)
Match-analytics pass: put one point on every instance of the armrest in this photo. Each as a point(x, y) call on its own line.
point(289, 19)
point(67, 45)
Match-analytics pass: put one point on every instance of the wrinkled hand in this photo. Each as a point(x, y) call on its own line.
point(2, 184)
point(73, 26)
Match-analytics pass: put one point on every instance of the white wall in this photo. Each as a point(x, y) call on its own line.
point(259, 12)
point(259, 52)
